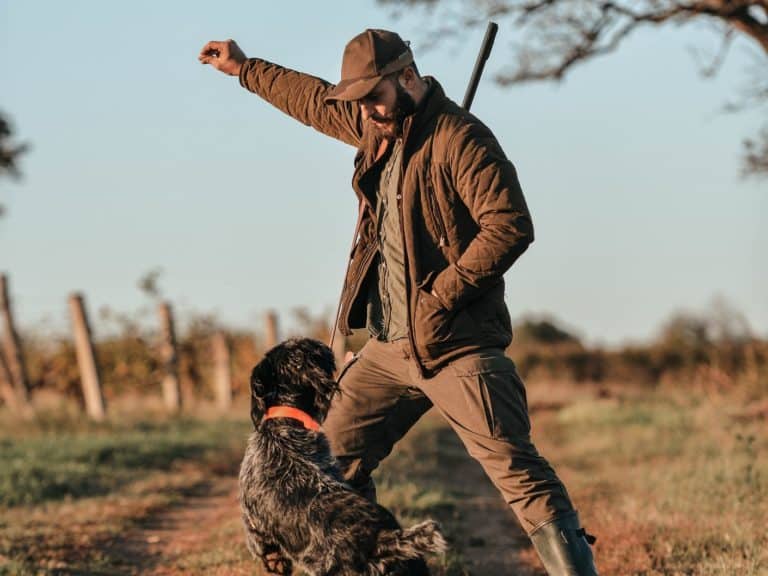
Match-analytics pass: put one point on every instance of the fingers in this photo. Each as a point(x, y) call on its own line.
point(211, 50)
point(226, 56)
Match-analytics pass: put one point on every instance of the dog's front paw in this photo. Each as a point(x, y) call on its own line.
point(276, 563)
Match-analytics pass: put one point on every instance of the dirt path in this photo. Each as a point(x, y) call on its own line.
point(490, 540)
point(202, 534)
point(186, 531)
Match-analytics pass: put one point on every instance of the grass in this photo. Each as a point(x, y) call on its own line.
point(71, 490)
point(409, 483)
point(59, 464)
point(672, 482)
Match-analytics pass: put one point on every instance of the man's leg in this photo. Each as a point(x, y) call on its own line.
point(377, 405)
point(484, 400)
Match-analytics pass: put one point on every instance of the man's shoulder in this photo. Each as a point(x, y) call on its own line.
point(456, 127)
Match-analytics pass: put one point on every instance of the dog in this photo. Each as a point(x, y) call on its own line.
point(296, 508)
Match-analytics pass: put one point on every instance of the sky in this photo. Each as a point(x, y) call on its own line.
point(144, 159)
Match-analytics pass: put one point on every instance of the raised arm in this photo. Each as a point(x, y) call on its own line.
point(299, 95)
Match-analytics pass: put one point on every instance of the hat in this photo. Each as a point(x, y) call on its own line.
point(368, 57)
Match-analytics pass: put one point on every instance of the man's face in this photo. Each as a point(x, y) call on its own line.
point(386, 106)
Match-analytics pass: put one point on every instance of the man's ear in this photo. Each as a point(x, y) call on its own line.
point(406, 77)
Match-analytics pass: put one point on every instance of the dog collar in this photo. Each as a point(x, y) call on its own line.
point(291, 412)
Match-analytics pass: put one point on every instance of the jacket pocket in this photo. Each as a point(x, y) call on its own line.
point(437, 329)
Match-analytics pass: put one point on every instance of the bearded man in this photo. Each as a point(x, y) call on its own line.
point(441, 218)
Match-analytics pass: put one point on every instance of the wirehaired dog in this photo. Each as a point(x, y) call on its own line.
point(296, 508)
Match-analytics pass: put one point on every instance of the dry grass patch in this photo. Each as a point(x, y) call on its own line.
point(671, 481)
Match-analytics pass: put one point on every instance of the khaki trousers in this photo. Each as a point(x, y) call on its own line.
point(482, 398)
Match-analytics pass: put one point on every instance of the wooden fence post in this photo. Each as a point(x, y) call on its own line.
point(270, 330)
point(6, 385)
point(222, 369)
point(86, 359)
point(169, 355)
point(13, 353)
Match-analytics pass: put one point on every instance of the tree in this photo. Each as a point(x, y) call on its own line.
point(685, 331)
point(543, 330)
point(558, 35)
point(8, 152)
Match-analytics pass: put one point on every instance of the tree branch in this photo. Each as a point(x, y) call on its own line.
point(756, 155)
point(8, 152)
point(558, 35)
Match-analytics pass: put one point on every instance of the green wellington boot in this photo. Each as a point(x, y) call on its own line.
point(563, 547)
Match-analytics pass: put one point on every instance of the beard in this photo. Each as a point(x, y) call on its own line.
point(391, 126)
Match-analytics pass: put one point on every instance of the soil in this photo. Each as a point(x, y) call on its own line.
point(491, 542)
point(488, 539)
point(163, 543)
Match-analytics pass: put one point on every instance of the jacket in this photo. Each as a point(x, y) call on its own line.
point(463, 215)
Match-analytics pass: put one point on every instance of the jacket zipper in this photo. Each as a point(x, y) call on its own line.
point(437, 217)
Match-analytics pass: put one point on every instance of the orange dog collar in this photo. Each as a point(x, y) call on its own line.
point(295, 413)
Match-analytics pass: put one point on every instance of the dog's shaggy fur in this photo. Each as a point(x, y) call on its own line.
point(296, 508)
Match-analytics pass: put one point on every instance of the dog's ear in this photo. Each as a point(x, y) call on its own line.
point(321, 366)
point(262, 374)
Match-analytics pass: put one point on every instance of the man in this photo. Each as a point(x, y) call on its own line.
point(441, 218)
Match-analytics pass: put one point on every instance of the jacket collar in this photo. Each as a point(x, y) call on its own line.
point(432, 102)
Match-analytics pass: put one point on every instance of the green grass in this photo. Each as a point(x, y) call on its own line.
point(101, 460)
point(70, 490)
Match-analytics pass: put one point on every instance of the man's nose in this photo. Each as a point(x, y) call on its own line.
point(365, 110)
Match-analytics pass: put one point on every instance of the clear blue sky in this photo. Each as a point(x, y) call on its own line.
point(143, 158)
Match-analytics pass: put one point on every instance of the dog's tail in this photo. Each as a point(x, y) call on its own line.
point(409, 543)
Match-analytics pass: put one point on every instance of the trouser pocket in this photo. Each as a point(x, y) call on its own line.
point(347, 366)
point(494, 397)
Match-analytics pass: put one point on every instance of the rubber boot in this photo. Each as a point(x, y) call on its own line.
point(564, 547)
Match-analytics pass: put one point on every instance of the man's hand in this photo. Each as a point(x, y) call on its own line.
point(225, 56)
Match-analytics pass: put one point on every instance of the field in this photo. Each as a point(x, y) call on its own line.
point(671, 481)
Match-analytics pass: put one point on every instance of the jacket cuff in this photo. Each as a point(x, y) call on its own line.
point(245, 69)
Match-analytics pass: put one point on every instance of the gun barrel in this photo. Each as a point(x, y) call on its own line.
point(485, 51)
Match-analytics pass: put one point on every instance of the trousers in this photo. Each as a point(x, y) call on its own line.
point(382, 395)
